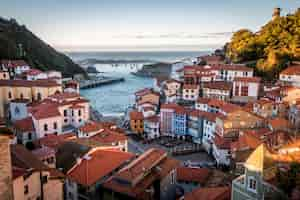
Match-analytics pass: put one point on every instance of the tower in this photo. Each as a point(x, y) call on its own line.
point(276, 13)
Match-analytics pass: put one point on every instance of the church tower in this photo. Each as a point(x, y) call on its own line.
point(276, 13)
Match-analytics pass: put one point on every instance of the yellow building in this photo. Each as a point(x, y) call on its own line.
point(137, 122)
point(24, 89)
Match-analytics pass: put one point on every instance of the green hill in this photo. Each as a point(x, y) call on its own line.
point(269, 49)
point(17, 42)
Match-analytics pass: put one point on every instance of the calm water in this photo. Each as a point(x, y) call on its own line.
point(111, 100)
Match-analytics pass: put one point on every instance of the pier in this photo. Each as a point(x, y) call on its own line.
point(85, 84)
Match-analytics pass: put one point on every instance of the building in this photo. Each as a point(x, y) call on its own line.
point(46, 155)
point(227, 131)
point(172, 90)
point(100, 135)
point(202, 104)
point(294, 115)
point(211, 193)
point(217, 90)
point(4, 75)
point(147, 95)
point(18, 109)
point(266, 108)
point(210, 60)
point(190, 92)
point(191, 178)
point(24, 89)
point(179, 122)
point(137, 122)
point(32, 179)
point(151, 127)
point(150, 176)
point(195, 75)
point(71, 86)
point(166, 118)
point(195, 126)
point(255, 183)
point(24, 131)
point(85, 178)
point(14, 67)
point(245, 89)
point(291, 75)
point(6, 176)
point(228, 72)
point(58, 114)
point(279, 124)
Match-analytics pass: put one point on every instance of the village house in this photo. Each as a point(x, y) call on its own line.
point(71, 86)
point(32, 179)
point(101, 135)
point(179, 122)
point(24, 89)
point(209, 193)
point(220, 106)
point(35, 74)
point(210, 60)
point(150, 176)
point(196, 75)
point(136, 122)
point(14, 67)
point(217, 90)
point(195, 126)
point(260, 169)
point(227, 130)
point(166, 118)
point(190, 93)
point(268, 109)
point(291, 75)
point(46, 155)
point(245, 89)
point(151, 127)
point(228, 72)
point(18, 109)
point(178, 66)
point(202, 104)
point(190, 178)
point(279, 124)
point(172, 90)
point(147, 95)
point(59, 113)
point(289, 94)
point(85, 178)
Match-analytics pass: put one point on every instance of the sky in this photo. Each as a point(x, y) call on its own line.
point(116, 24)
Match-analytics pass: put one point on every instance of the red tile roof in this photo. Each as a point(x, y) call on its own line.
point(222, 143)
point(291, 70)
point(33, 72)
point(43, 152)
point(135, 115)
point(97, 164)
point(245, 141)
point(232, 67)
point(248, 79)
point(91, 127)
point(168, 106)
point(190, 87)
point(27, 83)
point(64, 95)
point(279, 123)
point(108, 136)
point(25, 125)
point(54, 141)
point(223, 105)
point(140, 174)
point(202, 100)
point(143, 92)
point(213, 193)
point(198, 175)
point(44, 111)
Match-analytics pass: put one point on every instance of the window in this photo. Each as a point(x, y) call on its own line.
point(21, 96)
point(244, 91)
point(79, 112)
point(39, 96)
point(237, 88)
point(45, 127)
point(65, 120)
point(79, 120)
point(252, 184)
point(29, 136)
point(55, 125)
point(72, 112)
point(9, 95)
point(26, 189)
point(65, 113)
point(44, 179)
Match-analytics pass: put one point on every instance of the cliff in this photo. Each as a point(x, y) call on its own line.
point(17, 42)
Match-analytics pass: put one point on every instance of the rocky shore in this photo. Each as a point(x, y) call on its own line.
point(154, 70)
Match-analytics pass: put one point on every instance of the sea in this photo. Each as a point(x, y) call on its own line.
point(113, 100)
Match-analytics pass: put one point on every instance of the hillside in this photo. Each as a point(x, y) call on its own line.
point(17, 42)
point(269, 49)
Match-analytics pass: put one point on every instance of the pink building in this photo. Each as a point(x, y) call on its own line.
point(166, 117)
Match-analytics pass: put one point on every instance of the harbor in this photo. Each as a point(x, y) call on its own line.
point(85, 84)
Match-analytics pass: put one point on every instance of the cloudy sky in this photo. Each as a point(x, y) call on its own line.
point(71, 24)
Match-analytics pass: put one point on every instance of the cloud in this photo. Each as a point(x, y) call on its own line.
point(177, 36)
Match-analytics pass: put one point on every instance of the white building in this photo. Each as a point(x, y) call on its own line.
point(245, 89)
point(291, 75)
point(151, 127)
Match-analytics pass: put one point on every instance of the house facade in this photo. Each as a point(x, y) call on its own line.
point(245, 89)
